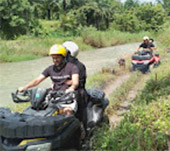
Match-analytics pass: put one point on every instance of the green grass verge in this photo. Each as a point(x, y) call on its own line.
point(144, 128)
point(99, 80)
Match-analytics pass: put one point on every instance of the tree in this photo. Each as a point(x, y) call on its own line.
point(166, 5)
point(151, 16)
point(96, 13)
point(126, 22)
point(15, 17)
point(129, 4)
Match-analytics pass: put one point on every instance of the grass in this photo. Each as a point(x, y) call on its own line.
point(20, 107)
point(110, 37)
point(98, 80)
point(144, 128)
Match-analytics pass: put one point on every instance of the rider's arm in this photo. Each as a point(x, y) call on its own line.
point(75, 83)
point(152, 46)
point(138, 48)
point(33, 83)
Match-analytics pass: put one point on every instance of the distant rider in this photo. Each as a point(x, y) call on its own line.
point(61, 72)
point(146, 45)
point(151, 40)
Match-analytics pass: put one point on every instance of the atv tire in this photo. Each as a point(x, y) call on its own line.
point(15, 125)
point(156, 64)
point(105, 119)
point(132, 68)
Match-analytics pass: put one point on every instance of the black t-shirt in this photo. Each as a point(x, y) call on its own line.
point(147, 45)
point(81, 68)
point(59, 77)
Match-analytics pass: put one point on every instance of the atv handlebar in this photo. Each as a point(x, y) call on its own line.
point(143, 52)
point(21, 97)
point(36, 97)
point(61, 96)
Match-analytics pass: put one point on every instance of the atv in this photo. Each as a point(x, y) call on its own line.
point(143, 60)
point(42, 126)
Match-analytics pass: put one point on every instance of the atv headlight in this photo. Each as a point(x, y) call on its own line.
point(40, 147)
point(134, 62)
point(146, 62)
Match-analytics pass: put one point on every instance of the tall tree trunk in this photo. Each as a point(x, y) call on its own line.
point(64, 5)
point(97, 23)
point(107, 23)
point(49, 14)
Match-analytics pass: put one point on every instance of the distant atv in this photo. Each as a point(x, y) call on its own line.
point(142, 61)
point(43, 127)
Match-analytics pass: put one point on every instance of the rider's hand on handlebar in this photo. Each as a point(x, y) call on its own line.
point(20, 89)
point(69, 90)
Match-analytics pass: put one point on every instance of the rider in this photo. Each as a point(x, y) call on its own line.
point(146, 45)
point(60, 73)
point(151, 40)
point(72, 51)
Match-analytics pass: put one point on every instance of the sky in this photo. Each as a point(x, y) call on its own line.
point(153, 1)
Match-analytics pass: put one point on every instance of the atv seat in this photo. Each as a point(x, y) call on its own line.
point(157, 54)
point(96, 96)
point(142, 57)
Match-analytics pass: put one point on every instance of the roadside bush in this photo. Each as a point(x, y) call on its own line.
point(158, 85)
point(144, 128)
point(93, 37)
point(151, 16)
point(127, 22)
point(163, 35)
point(16, 18)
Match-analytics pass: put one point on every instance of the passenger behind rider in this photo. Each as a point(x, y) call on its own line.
point(146, 45)
point(72, 51)
point(61, 72)
point(151, 40)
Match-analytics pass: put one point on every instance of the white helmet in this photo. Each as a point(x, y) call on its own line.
point(72, 47)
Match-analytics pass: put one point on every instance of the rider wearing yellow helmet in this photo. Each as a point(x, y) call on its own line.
point(146, 45)
point(60, 72)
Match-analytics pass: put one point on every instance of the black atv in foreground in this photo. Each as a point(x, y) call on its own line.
point(41, 126)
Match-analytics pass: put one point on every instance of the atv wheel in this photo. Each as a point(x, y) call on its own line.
point(132, 68)
point(146, 69)
point(86, 145)
point(156, 64)
point(105, 119)
point(76, 141)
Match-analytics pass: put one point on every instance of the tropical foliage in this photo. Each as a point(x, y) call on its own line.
point(21, 16)
point(15, 17)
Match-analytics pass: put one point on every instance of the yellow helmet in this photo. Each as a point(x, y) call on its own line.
point(58, 50)
point(145, 38)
